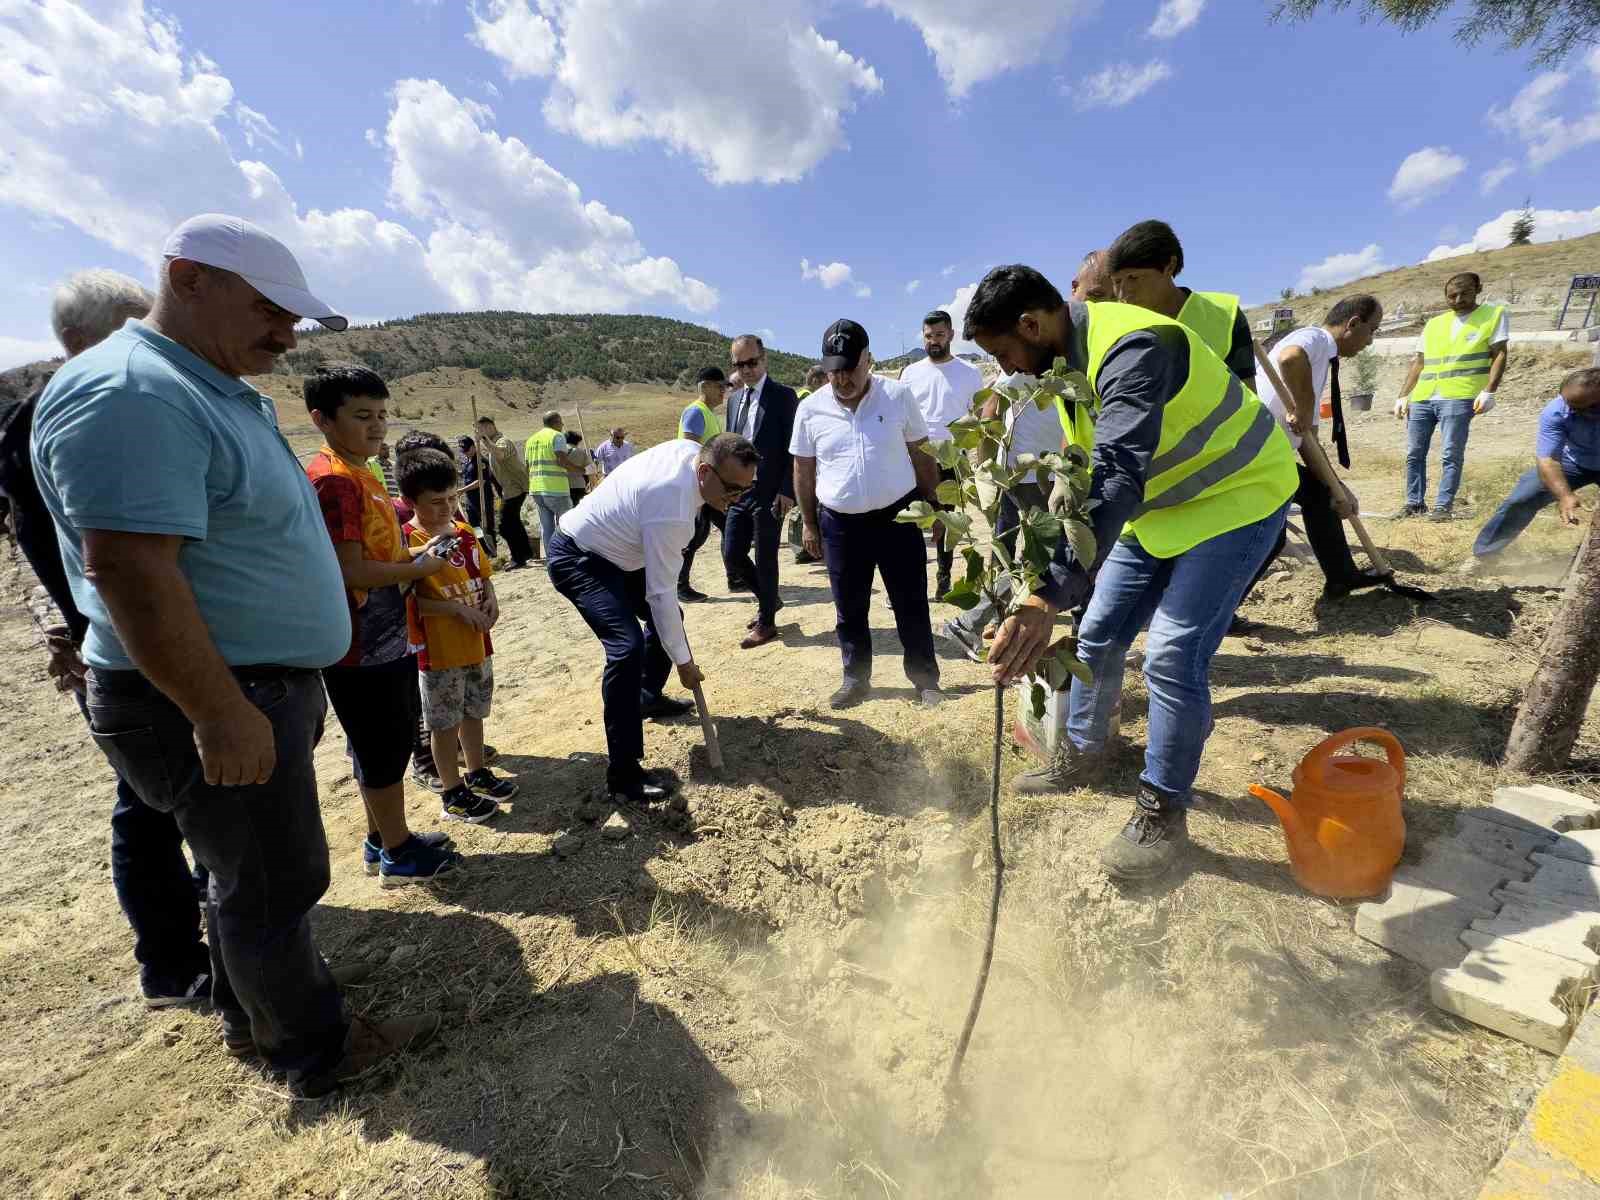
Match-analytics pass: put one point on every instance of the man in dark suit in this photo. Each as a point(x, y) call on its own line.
point(762, 411)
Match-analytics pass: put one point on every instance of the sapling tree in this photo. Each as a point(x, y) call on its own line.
point(978, 452)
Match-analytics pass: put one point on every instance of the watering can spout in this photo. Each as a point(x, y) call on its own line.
point(1294, 829)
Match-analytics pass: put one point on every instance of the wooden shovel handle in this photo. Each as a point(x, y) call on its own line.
point(713, 746)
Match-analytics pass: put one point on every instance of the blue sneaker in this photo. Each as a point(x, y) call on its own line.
point(372, 852)
point(414, 861)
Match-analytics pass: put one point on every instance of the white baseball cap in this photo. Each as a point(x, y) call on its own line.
point(261, 260)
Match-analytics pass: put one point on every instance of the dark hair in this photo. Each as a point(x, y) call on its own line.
point(1149, 244)
point(749, 337)
point(815, 376)
point(729, 445)
point(1583, 379)
point(484, 421)
point(1365, 307)
point(574, 438)
point(937, 317)
point(464, 442)
point(1004, 295)
point(329, 386)
point(426, 470)
point(710, 375)
point(420, 439)
point(1477, 284)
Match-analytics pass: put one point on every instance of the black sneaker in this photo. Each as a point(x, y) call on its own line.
point(1409, 510)
point(664, 706)
point(1440, 513)
point(1238, 627)
point(428, 778)
point(1068, 768)
point(689, 595)
point(490, 756)
point(850, 693)
point(196, 994)
point(461, 803)
point(1148, 843)
point(484, 783)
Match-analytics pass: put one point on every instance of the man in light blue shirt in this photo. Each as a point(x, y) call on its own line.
point(195, 547)
point(1566, 458)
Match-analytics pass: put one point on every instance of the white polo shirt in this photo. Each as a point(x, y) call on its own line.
point(1034, 430)
point(944, 392)
point(863, 457)
point(641, 517)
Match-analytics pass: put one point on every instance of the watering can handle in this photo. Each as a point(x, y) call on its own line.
point(1316, 761)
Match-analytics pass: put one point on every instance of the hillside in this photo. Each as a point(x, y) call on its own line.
point(1533, 279)
point(536, 348)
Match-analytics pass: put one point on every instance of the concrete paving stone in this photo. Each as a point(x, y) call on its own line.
point(1581, 846)
point(1540, 807)
point(1522, 1004)
point(1421, 923)
point(1450, 869)
point(1564, 931)
point(1576, 885)
point(1504, 957)
point(1499, 843)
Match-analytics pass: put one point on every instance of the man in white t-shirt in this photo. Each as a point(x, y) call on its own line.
point(616, 557)
point(858, 461)
point(1307, 361)
point(944, 386)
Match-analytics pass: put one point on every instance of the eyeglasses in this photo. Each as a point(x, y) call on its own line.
point(744, 364)
point(732, 490)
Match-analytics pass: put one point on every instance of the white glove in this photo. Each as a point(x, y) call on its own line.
point(1484, 403)
point(1402, 406)
point(1061, 497)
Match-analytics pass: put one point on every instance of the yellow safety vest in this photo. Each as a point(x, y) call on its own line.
point(546, 477)
point(1457, 368)
point(1221, 461)
point(1212, 316)
point(713, 422)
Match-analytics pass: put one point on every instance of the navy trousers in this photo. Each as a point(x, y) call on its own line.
point(750, 523)
point(612, 603)
point(855, 546)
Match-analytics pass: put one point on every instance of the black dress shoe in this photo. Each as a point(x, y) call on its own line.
point(1335, 590)
point(643, 792)
point(688, 595)
point(851, 692)
point(803, 557)
point(665, 706)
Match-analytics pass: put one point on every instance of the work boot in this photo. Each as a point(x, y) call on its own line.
point(1408, 510)
point(1068, 768)
point(369, 1044)
point(1441, 512)
point(1338, 589)
point(1152, 838)
point(850, 693)
point(688, 595)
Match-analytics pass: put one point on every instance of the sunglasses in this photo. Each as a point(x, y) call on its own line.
point(744, 364)
point(732, 490)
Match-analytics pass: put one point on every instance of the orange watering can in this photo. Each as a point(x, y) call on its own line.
point(1343, 827)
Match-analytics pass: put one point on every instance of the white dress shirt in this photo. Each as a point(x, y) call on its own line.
point(749, 408)
point(1034, 430)
point(1321, 349)
point(944, 392)
point(641, 517)
point(863, 457)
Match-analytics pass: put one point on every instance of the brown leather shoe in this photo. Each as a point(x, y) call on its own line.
point(370, 1043)
point(759, 635)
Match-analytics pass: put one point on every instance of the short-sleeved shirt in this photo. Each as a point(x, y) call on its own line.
point(442, 642)
point(356, 508)
point(863, 457)
point(944, 392)
point(580, 477)
point(1320, 349)
point(1034, 430)
point(140, 435)
point(610, 456)
point(1571, 438)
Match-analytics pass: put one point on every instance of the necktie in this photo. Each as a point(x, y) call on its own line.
point(1341, 441)
point(749, 414)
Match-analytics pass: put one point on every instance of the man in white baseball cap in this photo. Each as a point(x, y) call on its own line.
point(250, 252)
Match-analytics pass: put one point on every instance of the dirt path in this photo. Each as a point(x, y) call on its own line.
point(764, 1009)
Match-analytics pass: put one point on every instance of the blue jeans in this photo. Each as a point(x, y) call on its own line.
point(1453, 418)
point(550, 509)
point(612, 603)
point(263, 844)
point(1518, 509)
point(1188, 601)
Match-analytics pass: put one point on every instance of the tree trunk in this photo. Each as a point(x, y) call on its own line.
point(1552, 710)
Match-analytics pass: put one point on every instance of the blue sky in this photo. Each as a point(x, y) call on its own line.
point(754, 164)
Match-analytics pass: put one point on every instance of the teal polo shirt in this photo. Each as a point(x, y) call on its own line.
point(139, 435)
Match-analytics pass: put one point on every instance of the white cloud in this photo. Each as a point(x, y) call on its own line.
point(523, 40)
point(1549, 225)
point(1120, 83)
point(911, 288)
point(1342, 268)
point(1545, 134)
point(973, 43)
point(112, 126)
point(1425, 173)
point(258, 131)
point(626, 71)
point(1174, 16)
point(15, 351)
point(1495, 176)
point(829, 275)
point(863, 292)
point(948, 271)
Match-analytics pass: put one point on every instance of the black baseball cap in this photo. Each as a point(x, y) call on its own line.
point(842, 346)
point(711, 375)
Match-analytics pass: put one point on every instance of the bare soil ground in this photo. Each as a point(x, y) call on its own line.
point(764, 1008)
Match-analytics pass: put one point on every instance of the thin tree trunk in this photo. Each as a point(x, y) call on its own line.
point(1552, 710)
point(953, 1079)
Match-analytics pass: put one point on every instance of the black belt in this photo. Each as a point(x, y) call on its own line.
point(876, 514)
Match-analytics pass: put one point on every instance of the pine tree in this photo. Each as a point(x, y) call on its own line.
point(1552, 29)
point(1522, 227)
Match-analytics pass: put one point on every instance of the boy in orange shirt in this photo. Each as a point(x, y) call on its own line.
point(449, 615)
point(373, 689)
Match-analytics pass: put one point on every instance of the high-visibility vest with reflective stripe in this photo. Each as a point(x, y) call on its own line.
point(1457, 368)
point(1221, 461)
point(713, 422)
point(546, 477)
point(1212, 316)
point(1077, 423)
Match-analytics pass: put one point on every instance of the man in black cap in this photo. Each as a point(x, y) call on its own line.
point(858, 460)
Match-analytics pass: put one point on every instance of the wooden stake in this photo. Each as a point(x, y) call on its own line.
point(485, 513)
